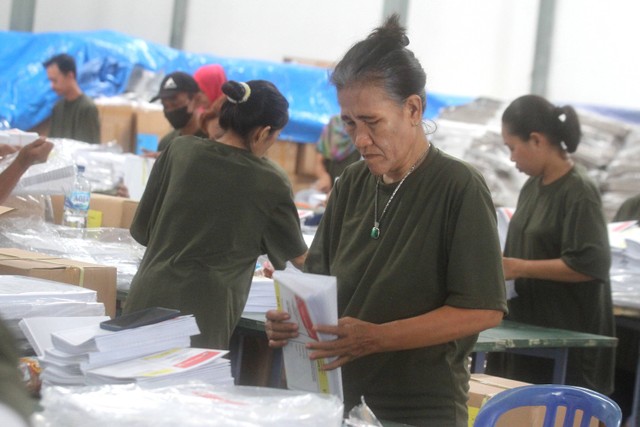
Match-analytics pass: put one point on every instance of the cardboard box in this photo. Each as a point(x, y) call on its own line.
point(100, 278)
point(104, 210)
point(285, 153)
point(483, 387)
point(306, 162)
point(117, 124)
point(150, 122)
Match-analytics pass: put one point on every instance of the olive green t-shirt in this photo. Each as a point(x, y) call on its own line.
point(564, 220)
point(208, 211)
point(77, 119)
point(12, 391)
point(438, 246)
point(630, 210)
point(171, 136)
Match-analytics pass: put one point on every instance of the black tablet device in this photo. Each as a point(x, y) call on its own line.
point(148, 316)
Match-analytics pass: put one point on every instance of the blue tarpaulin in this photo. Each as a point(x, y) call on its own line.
point(106, 60)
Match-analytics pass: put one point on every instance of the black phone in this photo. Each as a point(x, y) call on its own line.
point(147, 316)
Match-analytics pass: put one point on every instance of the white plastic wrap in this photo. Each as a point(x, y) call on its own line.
point(189, 405)
point(106, 246)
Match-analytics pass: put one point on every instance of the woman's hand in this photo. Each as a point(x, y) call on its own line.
point(279, 329)
point(355, 339)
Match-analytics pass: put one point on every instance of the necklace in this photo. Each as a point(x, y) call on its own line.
point(375, 231)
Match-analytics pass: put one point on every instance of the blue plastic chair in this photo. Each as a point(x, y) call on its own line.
point(551, 396)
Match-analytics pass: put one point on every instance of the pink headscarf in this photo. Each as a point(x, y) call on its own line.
point(210, 78)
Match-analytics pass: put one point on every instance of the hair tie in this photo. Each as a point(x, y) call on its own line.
point(245, 97)
point(562, 117)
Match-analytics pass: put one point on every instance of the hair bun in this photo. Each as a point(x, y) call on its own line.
point(236, 92)
point(391, 35)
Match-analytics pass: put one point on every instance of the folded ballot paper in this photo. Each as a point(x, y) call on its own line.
point(73, 352)
point(310, 299)
point(92, 338)
point(170, 367)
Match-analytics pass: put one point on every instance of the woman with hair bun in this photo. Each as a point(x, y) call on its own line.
point(410, 233)
point(557, 247)
point(209, 209)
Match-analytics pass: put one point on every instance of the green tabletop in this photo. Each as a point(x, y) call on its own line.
point(507, 335)
point(511, 334)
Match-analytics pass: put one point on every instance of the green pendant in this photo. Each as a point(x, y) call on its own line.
point(375, 232)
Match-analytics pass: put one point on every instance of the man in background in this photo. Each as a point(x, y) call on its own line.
point(177, 93)
point(75, 116)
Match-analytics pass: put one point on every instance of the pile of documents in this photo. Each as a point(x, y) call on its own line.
point(150, 355)
point(26, 297)
point(310, 299)
point(262, 296)
point(624, 238)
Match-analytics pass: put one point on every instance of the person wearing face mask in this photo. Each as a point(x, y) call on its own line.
point(209, 209)
point(178, 94)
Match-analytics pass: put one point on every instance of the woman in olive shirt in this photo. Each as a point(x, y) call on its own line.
point(410, 233)
point(557, 246)
point(210, 209)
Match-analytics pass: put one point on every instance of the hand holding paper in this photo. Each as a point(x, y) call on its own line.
point(355, 338)
point(307, 300)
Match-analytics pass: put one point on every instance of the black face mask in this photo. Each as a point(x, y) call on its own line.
point(178, 117)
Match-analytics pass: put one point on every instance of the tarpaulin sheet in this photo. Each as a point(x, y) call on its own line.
point(106, 59)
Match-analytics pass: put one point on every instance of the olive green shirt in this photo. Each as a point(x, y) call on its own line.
point(171, 136)
point(630, 210)
point(564, 220)
point(77, 119)
point(438, 246)
point(208, 211)
point(12, 391)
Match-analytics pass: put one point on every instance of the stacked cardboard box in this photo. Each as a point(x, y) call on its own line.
point(104, 210)
point(99, 278)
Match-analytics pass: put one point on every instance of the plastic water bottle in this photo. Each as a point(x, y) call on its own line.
point(76, 201)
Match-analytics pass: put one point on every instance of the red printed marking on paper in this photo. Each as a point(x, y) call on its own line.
point(198, 358)
point(306, 320)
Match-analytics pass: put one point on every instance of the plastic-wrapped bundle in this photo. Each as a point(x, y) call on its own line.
point(115, 246)
point(53, 177)
point(602, 137)
point(194, 404)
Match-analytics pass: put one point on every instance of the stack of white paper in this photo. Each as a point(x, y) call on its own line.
point(310, 299)
point(38, 330)
point(91, 355)
point(175, 366)
point(624, 240)
point(25, 297)
point(262, 296)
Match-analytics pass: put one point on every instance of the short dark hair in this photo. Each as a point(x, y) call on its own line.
point(533, 113)
point(66, 64)
point(382, 58)
point(252, 104)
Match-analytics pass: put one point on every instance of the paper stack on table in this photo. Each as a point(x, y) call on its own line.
point(25, 297)
point(175, 366)
point(80, 353)
point(262, 296)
